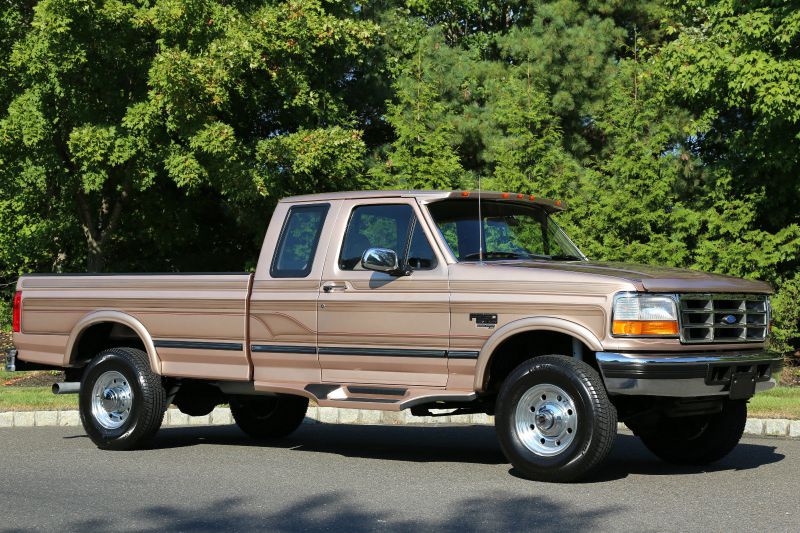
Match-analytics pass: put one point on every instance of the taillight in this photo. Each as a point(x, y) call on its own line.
point(17, 320)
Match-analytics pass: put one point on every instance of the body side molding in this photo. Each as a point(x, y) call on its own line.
point(198, 345)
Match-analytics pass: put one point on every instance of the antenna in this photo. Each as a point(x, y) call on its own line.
point(480, 223)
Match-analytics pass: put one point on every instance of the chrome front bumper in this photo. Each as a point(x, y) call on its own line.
point(686, 375)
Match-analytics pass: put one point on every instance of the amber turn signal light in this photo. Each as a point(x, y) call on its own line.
point(645, 327)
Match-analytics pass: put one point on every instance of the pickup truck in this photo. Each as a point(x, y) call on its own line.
point(437, 302)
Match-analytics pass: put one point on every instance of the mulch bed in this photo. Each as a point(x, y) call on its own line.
point(39, 378)
point(791, 371)
point(5, 342)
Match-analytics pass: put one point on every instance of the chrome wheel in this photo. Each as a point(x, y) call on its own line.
point(112, 398)
point(546, 420)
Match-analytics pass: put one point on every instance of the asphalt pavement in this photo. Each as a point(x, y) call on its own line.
point(376, 478)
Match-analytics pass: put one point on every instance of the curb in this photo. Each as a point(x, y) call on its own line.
point(220, 416)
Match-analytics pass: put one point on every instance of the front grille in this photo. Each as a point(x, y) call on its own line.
point(720, 318)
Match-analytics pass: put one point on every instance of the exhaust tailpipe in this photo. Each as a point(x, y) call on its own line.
point(69, 387)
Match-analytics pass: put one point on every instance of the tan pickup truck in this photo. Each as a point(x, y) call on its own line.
point(402, 300)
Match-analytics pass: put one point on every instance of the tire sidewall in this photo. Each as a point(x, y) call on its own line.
point(720, 436)
point(106, 362)
point(560, 466)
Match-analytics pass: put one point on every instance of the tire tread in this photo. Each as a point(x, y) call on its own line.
point(604, 416)
point(150, 412)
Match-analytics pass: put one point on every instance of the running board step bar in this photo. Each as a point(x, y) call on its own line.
point(402, 398)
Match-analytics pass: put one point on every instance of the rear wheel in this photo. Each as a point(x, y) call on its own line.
point(122, 401)
point(698, 440)
point(554, 420)
point(268, 417)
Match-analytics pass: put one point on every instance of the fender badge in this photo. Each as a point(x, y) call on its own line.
point(484, 320)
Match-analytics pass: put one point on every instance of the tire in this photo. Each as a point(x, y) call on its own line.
point(554, 420)
point(122, 402)
point(268, 417)
point(698, 440)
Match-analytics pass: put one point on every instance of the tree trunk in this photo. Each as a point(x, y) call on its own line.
point(98, 233)
point(95, 258)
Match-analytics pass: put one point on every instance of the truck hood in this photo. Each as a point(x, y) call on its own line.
point(652, 278)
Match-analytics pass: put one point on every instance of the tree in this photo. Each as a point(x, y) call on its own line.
point(527, 152)
point(422, 155)
point(110, 101)
point(736, 66)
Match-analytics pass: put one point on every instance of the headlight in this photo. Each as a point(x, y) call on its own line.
point(637, 315)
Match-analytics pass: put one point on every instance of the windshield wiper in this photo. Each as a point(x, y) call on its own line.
point(495, 255)
point(564, 257)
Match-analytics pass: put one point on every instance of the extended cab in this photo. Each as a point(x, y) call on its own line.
point(403, 300)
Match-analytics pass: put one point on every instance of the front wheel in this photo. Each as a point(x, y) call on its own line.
point(554, 419)
point(122, 401)
point(698, 440)
point(268, 417)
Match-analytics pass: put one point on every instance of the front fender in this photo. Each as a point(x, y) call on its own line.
point(542, 323)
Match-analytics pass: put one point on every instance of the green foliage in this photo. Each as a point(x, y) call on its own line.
point(786, 310)
point(142, 135)
point(422, 154)
point(307, 161)
point(630, 125)
point(108, 107)
point(735, 66)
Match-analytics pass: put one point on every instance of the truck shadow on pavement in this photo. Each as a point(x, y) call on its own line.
point(338, 511)
point(457, 444)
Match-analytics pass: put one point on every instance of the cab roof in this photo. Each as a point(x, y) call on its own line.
point(430, 196)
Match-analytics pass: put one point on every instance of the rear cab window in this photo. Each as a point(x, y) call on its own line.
point(298, 241)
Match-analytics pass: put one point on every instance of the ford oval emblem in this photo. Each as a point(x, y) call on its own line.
point(729, 319)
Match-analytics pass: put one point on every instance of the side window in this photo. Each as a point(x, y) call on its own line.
point(294, 254)
point(385, 226)
point(420, 253)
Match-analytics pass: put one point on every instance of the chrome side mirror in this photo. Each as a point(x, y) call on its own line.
point(381, 260)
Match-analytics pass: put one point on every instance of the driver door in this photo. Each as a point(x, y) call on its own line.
point(375, 327)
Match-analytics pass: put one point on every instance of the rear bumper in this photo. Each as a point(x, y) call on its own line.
point(685, 375)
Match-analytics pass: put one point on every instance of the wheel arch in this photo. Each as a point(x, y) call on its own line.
point(527, 326)
point(93, 322)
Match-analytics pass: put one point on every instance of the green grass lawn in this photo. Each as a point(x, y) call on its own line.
point(780, 402)
point(7, 375)
point(34, 399)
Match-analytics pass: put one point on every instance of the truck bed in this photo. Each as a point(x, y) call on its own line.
point(197, 322)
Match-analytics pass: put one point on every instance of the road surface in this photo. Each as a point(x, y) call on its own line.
point(374, 478)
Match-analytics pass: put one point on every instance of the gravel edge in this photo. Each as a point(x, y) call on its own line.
point(330, 415)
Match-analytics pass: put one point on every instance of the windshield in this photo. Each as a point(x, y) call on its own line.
point(510, 231)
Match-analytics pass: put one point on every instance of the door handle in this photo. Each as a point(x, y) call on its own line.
point(330, 286)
